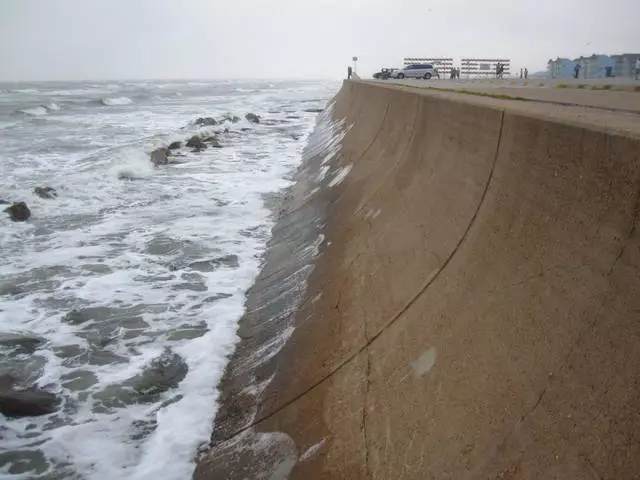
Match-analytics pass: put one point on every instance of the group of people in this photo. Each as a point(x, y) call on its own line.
point(454, 73)
point(499, 70)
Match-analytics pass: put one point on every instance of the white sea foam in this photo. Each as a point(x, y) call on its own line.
point(52, 106)
point(112, 101)
point(34, 111)
point(340, 175)
point(131, 164)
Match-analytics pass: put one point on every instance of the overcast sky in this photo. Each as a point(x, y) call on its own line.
point(112, 39)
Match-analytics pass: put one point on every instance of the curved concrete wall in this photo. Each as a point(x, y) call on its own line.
point(475, 311)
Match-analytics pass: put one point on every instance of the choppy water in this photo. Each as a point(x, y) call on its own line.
point(133, 279)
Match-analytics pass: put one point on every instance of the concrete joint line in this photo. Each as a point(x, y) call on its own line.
point(632, 229)
point(375, 137)
point(400, 158)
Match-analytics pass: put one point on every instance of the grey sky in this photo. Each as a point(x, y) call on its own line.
point(105, 39)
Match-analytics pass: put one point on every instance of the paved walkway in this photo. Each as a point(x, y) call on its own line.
point(598, 94)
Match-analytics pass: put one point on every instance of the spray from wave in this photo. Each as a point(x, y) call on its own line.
point(110, 102)
point(131, 164)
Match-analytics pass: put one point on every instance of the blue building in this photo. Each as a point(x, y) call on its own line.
point(595, 66)
point(561, 68)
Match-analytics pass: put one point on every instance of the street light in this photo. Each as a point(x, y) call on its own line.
point(355, 64)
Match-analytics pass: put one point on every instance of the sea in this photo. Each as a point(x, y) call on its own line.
point(122, 293)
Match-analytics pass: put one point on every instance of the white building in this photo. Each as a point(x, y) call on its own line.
point(484, 67)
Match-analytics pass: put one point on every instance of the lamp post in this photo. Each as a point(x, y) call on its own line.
point(355, 64)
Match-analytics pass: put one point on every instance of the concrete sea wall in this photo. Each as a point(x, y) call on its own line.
point(458, 298)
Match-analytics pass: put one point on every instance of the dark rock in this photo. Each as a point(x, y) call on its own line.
point(175, 145)
point(4, 202)
point(23, 342)
point(160, 156)
point(213, 141)
point(19, 212)
point(206, 121)
point(26, 403)
point(252, 118)
point(7, 381)
point(162, 374)
point(196, 143)
point(314, 110)
point(48, 193)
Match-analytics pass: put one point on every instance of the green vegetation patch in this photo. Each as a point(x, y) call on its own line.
point(601, 87)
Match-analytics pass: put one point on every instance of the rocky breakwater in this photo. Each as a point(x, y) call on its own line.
point(200, 141)
point(19, 211)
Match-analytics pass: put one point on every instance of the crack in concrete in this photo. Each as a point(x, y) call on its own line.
point(365, 407)
point(632, 230)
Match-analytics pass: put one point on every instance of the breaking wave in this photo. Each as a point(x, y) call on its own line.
point(33, 112)
point(113, 101)
point(52, 106)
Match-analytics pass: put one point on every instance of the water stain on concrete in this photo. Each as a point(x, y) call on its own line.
point(424, 363)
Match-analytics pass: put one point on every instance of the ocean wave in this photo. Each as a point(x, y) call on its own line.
point(125, 263)
point(113, 101)
point(33, 112)
point(131, 164)
point(23, 90)
point(52, 106)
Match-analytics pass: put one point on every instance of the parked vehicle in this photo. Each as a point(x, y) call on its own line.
point(425, 71)
point(385, 73)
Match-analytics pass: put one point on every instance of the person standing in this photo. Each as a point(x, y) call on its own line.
point(638, 69)
point(521, 73)
point(526, 73)
point(576, 70)
point(349, 72)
